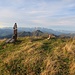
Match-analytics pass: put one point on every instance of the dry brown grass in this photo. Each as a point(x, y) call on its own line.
point(32, 57)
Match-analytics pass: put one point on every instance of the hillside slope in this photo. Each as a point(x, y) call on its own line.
point(38, 56)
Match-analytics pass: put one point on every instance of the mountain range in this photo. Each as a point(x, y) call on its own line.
point(8, 32)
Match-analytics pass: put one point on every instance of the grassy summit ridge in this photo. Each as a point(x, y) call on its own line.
point(38, 56)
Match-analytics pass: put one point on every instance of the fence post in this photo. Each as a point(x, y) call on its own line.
point(15, 32)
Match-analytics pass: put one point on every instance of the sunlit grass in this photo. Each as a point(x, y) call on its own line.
point(38, 56)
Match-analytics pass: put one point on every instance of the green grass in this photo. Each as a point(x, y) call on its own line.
point(38, 56)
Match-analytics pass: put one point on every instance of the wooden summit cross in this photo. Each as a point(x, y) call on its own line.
point(15, 32)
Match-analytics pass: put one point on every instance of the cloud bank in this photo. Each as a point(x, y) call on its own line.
point(38, 13)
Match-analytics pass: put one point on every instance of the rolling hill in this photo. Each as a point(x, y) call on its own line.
point(38, 56)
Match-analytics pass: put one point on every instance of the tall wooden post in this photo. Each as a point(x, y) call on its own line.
point(15, 32)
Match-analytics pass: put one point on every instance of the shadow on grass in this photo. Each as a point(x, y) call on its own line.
point(36, 39)
point(17, 42)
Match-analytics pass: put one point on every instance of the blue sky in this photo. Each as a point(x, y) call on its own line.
point(56, 14)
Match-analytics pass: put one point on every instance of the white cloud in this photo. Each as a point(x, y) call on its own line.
point(6, 13)
point(42, 12)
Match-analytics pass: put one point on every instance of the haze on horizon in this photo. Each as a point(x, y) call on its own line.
point(55, 14)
